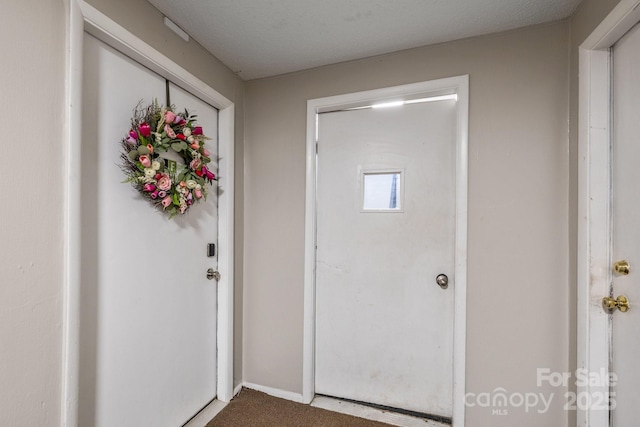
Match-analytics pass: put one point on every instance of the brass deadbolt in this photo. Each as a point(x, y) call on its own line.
point(621, 267)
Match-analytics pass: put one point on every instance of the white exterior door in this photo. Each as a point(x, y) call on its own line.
point(148, 313)
point(386, 217)
point(626, 230)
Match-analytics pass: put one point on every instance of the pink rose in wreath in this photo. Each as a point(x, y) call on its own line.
point(170, 133)
point(164, 183)
point(166, 201)
point(145, 161)
point(195, 164)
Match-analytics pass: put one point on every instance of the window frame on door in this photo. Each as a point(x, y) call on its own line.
point(400, 191)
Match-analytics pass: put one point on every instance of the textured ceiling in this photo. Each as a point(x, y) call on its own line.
point(261, 38)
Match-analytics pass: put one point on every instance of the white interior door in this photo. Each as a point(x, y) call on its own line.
point(385, 231)
point(626, 230)
point(148, 313)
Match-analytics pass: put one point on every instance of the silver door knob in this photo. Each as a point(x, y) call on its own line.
point(443, 281)
point(213, 274)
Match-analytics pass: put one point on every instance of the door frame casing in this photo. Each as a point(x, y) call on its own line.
point(594, 200)
point(460, 86)
point(85, 18)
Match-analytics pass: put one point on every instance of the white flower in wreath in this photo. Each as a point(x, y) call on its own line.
point(191, 138)
point(191, 184)
point(155, 165)
point(198, 187)
point(186, 131)
point(149, 173)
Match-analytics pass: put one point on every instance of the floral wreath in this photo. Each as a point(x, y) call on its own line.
point(170, 187)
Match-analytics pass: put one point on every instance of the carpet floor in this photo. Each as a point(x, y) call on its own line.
point(252, 408)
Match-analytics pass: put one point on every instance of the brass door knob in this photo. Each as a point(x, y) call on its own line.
point(621, 267)
point(621, 303)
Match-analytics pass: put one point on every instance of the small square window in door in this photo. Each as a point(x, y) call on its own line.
point(382, 191)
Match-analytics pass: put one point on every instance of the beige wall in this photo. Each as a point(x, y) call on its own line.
point(32, 45)
point(146, 22)
point(518, 208)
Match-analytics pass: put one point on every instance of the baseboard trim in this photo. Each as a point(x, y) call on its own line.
point(237, 389)
point(275, 392)
point(207, 414)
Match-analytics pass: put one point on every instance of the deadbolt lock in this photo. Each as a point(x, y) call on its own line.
point(621, 303)
point(621, 267)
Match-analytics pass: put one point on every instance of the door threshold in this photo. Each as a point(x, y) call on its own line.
point(374, 412)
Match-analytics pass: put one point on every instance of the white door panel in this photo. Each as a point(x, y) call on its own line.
point(626, 230)
point(148, 349)
point(384, 328)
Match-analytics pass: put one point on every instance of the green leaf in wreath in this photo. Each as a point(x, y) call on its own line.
point(133, 154)
point(143, 150)
point(177, 146)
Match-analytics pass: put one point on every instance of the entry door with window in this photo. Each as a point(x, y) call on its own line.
point(626, 229)
point(386, 218)
point(148, 312)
